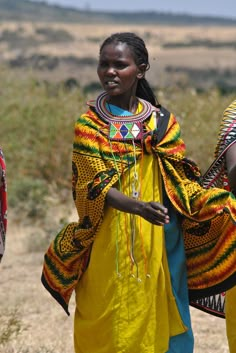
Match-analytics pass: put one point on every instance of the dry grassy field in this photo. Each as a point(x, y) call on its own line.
point(173, 47)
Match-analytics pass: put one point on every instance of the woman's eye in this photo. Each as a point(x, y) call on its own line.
point(103, 64)
point(120, 65)
point(116, 65)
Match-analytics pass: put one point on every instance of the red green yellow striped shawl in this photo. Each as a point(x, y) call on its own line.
point(216, 176)
point(97, 165)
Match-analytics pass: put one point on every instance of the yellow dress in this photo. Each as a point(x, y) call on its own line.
point(230, 314)
point(121, 306)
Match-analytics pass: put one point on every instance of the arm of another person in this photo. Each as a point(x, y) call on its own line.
point(153, 212)
point(231, 166)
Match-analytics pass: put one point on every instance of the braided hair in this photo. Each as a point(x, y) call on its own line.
point(140, 54)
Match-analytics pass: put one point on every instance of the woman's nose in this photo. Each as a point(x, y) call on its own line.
point(111, 71)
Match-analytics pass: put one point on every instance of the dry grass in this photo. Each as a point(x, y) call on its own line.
point(87, 39)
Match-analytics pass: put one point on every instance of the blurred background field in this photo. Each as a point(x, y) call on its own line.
point(48, 58)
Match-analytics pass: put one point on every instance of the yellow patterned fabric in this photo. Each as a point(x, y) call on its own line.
point(116, 303)
point(98, 164)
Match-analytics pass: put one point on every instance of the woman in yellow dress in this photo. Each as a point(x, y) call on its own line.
point(125, 257)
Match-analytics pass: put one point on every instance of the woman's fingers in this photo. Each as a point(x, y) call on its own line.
point(158, 206)
point(155, 213)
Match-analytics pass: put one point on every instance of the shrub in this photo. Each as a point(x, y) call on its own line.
point(10, 327)
point(29, 196)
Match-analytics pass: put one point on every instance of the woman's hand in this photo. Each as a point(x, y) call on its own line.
point(153, 212)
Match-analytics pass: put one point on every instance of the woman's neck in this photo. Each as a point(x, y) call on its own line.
point(130, 104)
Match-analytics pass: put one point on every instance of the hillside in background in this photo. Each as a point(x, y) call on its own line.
point(25, 10)
point(61, 44)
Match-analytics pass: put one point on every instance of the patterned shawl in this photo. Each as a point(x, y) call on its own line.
point(98, 163)
point(216, 176)
point(3, 205)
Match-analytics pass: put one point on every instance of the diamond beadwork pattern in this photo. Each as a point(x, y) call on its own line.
point(125, 130)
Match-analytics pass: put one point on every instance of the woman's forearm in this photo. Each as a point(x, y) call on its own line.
point(121, 202)
point(152, 211)
point(232, 178)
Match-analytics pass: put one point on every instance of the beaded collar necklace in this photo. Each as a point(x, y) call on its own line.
point(124, 127)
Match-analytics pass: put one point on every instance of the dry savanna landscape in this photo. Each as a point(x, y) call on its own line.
point(192, 57)
point(195, 55)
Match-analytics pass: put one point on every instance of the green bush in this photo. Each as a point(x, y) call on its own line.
point(29, 196)
point(36, 135)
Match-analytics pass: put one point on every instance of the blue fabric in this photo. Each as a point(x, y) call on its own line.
point(113, 109)
point(183, 343)
point(178, 272)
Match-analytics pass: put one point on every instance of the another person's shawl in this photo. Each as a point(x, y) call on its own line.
point(98, 164)
point(216, 176)
point(3, 205)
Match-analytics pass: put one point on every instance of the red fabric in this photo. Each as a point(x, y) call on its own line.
point(3, 205)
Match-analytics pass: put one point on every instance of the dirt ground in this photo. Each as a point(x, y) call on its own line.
point(41, 324)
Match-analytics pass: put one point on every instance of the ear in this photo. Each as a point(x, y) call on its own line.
point(141, 71)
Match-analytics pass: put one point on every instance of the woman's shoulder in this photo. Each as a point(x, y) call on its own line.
point(89, 117)
point(227, 130)
point(228, 122)
point(88, 111)
point(230, 112)
point(91, 103)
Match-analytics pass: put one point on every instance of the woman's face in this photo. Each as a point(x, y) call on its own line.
point(118, 72)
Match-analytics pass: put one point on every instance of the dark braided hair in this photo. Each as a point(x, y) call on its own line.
point(140, 54)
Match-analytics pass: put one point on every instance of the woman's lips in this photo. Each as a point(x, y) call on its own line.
point(111, 84)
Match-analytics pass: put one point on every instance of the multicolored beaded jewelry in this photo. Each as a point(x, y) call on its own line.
point(127, 128)
point(123, 128)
